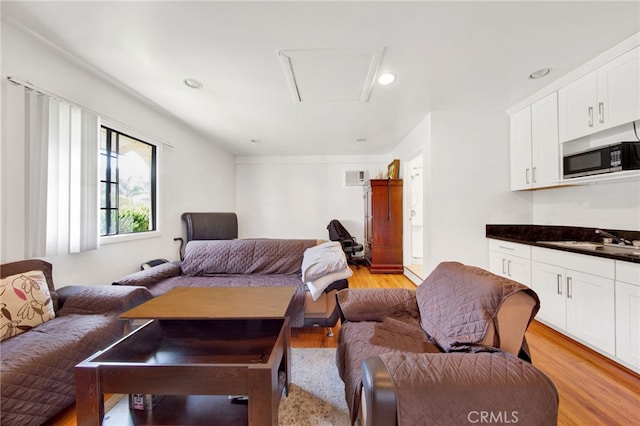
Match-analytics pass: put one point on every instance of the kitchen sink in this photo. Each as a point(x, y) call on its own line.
point(601, 247)
point(575, 244)
point(617, 248)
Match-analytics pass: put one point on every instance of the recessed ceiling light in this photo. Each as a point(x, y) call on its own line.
point(193, 83)
point(255, 141)
point(540, 73)
point(386, 78)
point(361, 140)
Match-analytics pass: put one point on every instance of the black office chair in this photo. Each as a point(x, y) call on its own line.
point(337, 232)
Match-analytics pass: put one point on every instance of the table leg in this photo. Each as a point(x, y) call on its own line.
point(89, 397)
point(287, 356)
point(261, 397)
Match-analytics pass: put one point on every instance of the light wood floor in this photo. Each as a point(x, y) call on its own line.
point(593, 390)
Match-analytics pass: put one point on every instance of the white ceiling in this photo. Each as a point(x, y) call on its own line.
point(446, 56)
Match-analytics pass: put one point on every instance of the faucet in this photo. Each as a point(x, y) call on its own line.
point(619, 240)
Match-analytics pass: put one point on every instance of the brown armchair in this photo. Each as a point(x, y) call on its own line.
point(451, 352)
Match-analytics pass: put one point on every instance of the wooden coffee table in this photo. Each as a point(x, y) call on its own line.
point(201, 341)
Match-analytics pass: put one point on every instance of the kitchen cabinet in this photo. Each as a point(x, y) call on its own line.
point(535, 153)
point(548, 283)
point(577, 295)
point(545, 149)
point(628, 313)
point(510, 260)
point(383, 225)
point(520, 140)
point(604, 98)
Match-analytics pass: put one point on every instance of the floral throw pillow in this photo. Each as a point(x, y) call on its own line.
point(25, 302)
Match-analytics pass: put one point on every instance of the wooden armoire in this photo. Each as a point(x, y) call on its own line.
point(383, 225)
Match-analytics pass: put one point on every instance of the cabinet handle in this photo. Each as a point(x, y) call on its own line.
point(601, 112)
point(526, 173)
point(559, 284)
point(533, 174)
point(569, 285)
point(590, 112)
point(508, 268)
point(504, 271)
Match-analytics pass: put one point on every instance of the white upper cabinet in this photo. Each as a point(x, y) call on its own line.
point(545, 150)
point(534, 145)
point(604, 98)
point(520, 136)
point(576, 105)
point(619, 89)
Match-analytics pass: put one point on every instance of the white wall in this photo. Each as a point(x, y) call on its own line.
point(605, 205)
point(296, 197)
point(194, 176)
point(466, 168)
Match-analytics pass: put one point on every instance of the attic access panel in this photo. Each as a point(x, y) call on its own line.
point(331, 75)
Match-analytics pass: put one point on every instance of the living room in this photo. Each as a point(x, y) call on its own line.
point(278, 194)
point(256, 186)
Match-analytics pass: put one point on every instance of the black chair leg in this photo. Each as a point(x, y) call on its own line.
point(350, 261)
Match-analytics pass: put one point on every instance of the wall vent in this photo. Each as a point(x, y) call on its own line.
point(355, 177)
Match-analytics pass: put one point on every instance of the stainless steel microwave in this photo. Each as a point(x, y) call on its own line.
point(606, 159)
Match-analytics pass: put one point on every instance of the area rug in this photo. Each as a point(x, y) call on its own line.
point(316, 394)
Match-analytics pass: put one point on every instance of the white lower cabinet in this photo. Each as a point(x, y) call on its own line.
point(591, 310)
point(628, 313)
point(577, 295)
point(510, 260)
point(593, 300)
point(548, 283)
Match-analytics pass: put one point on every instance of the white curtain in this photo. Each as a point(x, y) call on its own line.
point(36, 130)
point(58, 145)
point(72, 205)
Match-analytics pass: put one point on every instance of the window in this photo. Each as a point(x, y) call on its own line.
point(127, 184)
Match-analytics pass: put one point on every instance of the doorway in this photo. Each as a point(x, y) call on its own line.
point(416, 212)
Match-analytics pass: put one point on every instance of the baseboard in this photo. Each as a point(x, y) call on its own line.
point(413, 277)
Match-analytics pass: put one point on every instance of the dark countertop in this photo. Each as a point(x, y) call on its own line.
point(536, 235)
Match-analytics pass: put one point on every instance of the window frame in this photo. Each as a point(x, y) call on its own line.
point(156, 216)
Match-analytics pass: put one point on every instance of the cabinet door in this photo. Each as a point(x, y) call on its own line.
point(497, 263)
point(591, 309)
point(519, 269)
point(548, 283)
point(512, 267)
point(385, 235)
point(520, 139)
point(628, 323)
point(545, 149)
point(619, 90)
point(576, 107)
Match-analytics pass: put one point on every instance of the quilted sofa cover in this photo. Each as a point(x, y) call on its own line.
point(436, 351)
point(259, 256)
point(37, 367)
point(234, 263)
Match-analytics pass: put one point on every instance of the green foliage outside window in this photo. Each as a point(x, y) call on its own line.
point(134, 220)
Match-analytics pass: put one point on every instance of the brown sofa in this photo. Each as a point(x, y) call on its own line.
point(248, 262)
point(37, 366)
point(451, 352)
